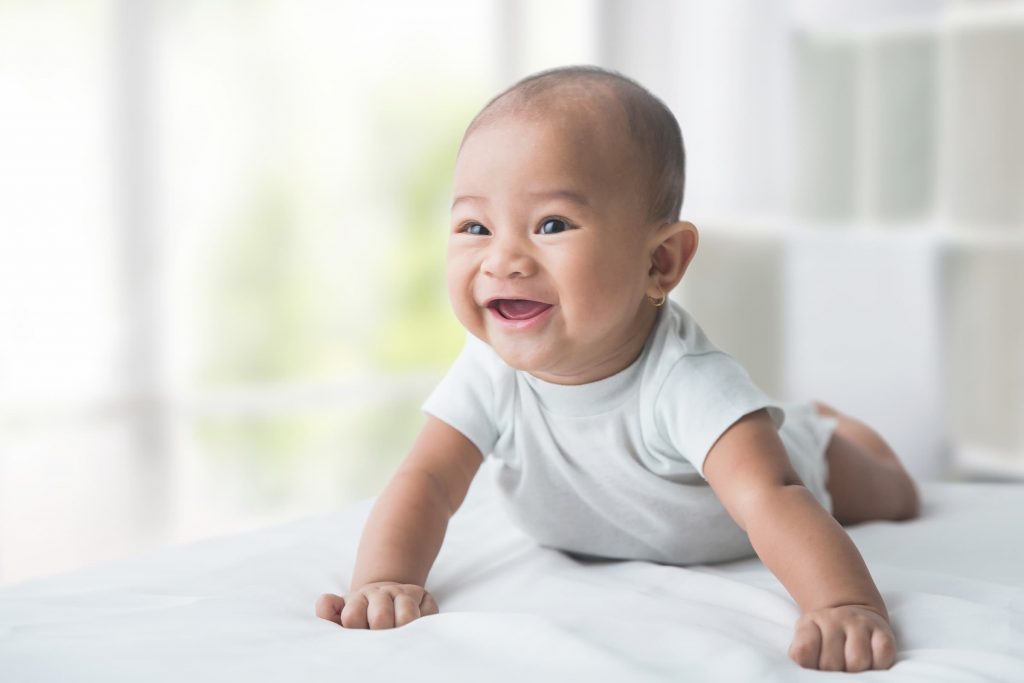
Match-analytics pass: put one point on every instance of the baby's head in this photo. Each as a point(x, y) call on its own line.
point(565, 226)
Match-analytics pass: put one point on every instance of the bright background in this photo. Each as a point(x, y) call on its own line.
point(222, 228)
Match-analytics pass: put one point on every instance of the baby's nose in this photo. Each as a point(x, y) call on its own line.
point(508, 259)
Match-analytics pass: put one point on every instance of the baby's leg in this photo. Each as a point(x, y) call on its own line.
point(866, 480)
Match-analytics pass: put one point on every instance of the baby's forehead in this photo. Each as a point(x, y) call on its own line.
point(589, 122)
point(610, 124)
point(596, 109)
point(537, 158)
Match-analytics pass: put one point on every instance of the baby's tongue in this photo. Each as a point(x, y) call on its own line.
point(519, 309)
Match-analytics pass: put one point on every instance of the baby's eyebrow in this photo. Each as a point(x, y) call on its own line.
point(569, 195)
point(468, 197)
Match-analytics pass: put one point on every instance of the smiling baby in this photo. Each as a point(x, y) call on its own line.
point(620, 430)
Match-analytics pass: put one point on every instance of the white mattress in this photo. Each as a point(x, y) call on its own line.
point(241, 608)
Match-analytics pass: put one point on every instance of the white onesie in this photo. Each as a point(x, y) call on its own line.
point(614, 468)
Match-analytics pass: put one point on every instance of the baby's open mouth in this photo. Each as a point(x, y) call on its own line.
point(518, 309)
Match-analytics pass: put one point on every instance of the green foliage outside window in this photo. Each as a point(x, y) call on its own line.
point(269, 318)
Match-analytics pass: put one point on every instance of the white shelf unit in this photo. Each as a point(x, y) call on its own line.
point(917, 127)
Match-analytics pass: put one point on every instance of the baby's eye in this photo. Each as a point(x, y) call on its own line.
point(550, 226)
point(475, 229)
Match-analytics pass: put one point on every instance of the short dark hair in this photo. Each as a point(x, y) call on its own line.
point(653, 127)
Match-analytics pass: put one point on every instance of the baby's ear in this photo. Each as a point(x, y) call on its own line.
point(673, 246)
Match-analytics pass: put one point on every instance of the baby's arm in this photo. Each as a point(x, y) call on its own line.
point(404, 532)
point(844, 625)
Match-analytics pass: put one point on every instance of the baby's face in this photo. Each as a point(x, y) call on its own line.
point(548, 258)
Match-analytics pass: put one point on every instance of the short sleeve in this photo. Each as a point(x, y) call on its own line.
point(702, 396)
point(465, 397)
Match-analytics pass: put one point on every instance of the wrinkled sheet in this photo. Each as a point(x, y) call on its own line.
point(241, 607)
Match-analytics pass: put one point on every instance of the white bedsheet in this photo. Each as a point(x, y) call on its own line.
point(241, 608)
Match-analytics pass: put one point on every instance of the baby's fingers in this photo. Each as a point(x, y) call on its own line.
point(833, 646)
point(883, 648)
point(354, 613)
point(329, 606)
point(428, 605)
point(806, 646)
point(406, 609)
point(859, 656)
point(381, 610)
point(412, 604)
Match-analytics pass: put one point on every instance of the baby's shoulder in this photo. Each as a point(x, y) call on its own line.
point(677, 339)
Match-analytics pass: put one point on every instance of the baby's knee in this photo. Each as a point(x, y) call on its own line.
point(911, 498)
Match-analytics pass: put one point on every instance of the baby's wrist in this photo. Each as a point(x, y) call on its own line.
point(381, 582)
point(877, 609)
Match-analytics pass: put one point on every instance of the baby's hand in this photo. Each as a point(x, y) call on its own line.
point(383, 604)
point(844, 638)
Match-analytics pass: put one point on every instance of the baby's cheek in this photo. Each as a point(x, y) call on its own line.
point(459, 283)
point(468, 313)
point(472, 320)
point(604, 287)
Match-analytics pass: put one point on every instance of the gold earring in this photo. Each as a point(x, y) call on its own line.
point(659, 302)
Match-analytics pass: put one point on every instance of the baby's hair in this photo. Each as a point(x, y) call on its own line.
point(653, 127)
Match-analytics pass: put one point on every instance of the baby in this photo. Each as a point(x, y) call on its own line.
point(620, 430)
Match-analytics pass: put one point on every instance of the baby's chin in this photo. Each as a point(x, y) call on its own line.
point(527, 352)
point(522, 356)
point(519, 359)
